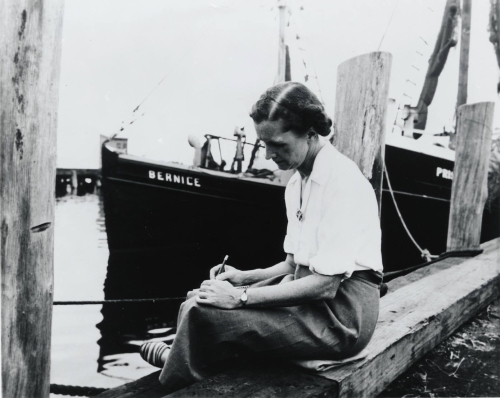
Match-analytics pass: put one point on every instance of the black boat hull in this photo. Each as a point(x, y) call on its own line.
point(172, 223)
point(164, 234)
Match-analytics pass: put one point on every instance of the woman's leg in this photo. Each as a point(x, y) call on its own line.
point(208, 336)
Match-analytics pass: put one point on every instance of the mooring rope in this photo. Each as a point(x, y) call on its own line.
point(424, 252)
point(151, 300)
point(76, 391)
point(389, 276)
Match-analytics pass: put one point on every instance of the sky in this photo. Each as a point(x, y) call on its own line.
point(196, 67)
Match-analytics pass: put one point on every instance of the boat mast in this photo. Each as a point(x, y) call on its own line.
point(463, 72)
point(284, 73)
point(464, 53)
point(495, 32)
point(445, 40)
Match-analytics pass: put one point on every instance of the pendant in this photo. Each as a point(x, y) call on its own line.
point(299, 215)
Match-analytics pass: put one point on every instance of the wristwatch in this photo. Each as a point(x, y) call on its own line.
point(244, 297)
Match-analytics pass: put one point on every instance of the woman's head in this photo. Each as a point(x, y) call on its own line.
point(296, 105)
point(288, 119)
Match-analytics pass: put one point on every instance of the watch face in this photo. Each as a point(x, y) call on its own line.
point(244, 297)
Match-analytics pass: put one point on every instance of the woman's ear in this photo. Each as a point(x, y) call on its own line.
point(311, 134)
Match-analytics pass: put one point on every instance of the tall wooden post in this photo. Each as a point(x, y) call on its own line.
point(360, 113)
point(464, 53)
point(470, 175)
point(463, 72)
point(30, 51)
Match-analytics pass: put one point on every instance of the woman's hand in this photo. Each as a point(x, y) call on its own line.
point(231, 274)
point(220, 294)
point(192, 293)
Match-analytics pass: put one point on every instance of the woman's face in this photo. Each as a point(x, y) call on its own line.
point(288, 149)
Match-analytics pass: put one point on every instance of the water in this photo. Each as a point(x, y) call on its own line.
point(89, 348)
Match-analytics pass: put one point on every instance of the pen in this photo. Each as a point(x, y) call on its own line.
point(222, 268)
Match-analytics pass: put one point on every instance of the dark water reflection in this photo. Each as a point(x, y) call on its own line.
point(97, 345)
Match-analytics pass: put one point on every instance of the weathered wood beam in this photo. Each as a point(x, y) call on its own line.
point(360, 113)
point(30, 51)
point(470, 175)
point(148, 386)
point(253, 380)
point(417, 317)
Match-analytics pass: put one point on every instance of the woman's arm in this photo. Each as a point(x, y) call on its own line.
point(237, 277)
point(310, 288)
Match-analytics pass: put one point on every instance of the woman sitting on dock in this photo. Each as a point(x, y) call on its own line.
point(322, 301)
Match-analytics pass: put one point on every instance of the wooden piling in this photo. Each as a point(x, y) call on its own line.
point(360, 113)
point(464, 53)
point(30, 48)
point(470, 176)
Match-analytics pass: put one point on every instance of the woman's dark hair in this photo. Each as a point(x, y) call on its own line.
point(296, 105)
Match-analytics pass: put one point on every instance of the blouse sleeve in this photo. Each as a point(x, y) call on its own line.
point(349, 223)
point(290, 191)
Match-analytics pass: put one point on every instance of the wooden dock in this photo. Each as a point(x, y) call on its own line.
point(420, 310)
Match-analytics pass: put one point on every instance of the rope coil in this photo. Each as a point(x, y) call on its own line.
point(76, 391)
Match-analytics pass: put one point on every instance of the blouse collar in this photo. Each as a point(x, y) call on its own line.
point(321, 168)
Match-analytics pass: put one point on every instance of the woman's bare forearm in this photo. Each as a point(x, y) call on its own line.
point(310, 288)
point(256, 275)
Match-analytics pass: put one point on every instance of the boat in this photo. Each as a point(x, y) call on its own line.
point(168, 223)
point(171, 222)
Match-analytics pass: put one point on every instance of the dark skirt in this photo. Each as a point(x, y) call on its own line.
point(207, 337)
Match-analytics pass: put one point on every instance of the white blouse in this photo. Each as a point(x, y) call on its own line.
point(337, 228)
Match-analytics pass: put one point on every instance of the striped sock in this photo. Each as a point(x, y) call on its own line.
point(152, 352)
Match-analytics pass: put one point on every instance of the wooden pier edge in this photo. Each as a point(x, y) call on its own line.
point(413, 320)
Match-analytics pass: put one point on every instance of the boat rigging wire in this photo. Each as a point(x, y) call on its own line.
point(216, 137)
point(388, 24)
point(297, 21)
point(195, 44)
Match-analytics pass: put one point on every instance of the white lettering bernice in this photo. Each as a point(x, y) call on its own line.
point(178, 179)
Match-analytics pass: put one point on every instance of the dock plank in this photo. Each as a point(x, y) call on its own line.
point(263, 380)
point(145, 387)
point(417, 317)
point(260, 382)
point(413, 319)
point(414, 276)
